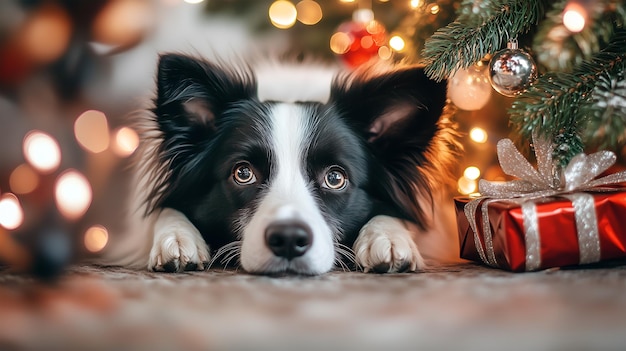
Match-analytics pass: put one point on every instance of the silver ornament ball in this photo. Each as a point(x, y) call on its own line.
point(511, 71)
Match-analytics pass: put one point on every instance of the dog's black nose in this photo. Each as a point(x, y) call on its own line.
point(288, 239)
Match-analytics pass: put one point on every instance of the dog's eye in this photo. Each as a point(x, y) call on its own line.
point(335, 179)
point(243, 174)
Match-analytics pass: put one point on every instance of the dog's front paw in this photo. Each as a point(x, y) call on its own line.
point(178, 245)
point(385, 245)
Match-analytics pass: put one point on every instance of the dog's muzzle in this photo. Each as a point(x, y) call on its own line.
point(288, 238)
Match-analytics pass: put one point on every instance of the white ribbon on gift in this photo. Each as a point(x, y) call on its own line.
point(536, 185)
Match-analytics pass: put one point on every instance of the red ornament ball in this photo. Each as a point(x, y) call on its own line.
point(358, 42)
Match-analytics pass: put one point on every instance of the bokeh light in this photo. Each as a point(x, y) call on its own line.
point(126, 141)
point(397, 43)
point(384, 53)
point(309, 12)
point(574, 17)
point(478, 135)
point(340, 43)
point(46, 34)
point(23, 179)
point(434, 9)
point(91, 130)
point(123, 23)
point(415, 3)
point(42, 151)
point(11, 213)
point(73, 194)
point(96, 238)
point(471, 172)
point(283, 14)
point(467, 186)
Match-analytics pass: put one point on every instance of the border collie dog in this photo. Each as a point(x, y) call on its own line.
point(290, 183)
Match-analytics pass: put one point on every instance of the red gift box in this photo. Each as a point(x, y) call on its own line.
point(558, 236)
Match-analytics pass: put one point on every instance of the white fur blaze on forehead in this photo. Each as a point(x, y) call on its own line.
point(289, 196)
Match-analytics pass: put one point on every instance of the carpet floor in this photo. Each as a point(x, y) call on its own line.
point(459, 307)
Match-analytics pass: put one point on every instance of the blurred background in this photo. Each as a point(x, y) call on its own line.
point(71, 72)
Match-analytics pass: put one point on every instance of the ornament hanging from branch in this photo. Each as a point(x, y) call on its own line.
point(512, 70)
point(359, 40)
point(469, 89)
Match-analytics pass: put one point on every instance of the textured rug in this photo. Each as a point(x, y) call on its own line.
point(461, 307)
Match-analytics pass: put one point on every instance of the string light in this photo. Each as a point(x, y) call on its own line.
point(434, 9)
point(466, 186)
point(23, 179)
point(309, 12)
point(384, 53)
point(91, 130)
point(11, 213)
point(283, 14)
point(471, 172)
point(415, 3)
point(574, 17)
point(126, 141)
point(73, 194)
point(340, 43)
point(397, 43)
point(42, 151)
point(96, 238)
point(47, 33)
point(478, 135)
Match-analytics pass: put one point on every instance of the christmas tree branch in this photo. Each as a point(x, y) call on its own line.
point(552, 105)
point(477, 33)
point(558, 49)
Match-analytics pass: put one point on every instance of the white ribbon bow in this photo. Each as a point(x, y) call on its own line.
point(545, 181)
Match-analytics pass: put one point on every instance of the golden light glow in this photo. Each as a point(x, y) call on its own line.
point(574, 17)
point(367, 42)
point(363, 15)
point(384, 53)
point(46, 34)
point(91, 130)
point(397, 43)
point(42, 151)
point(415, 3)
point(434, 9)
point(471, 172)
point(11, 213)
point(347, 1)
point(123, 22)
point(283, 14)
point(466, 186)
point(309, 12)
point(340, 43)
point(23, 179)
point(126, 141)
point(96, 238)
point(72, 194)
point(478, 135)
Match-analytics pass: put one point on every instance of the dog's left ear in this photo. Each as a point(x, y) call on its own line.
point(397, 113)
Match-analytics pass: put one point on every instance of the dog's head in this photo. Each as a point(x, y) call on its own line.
point(284, 185)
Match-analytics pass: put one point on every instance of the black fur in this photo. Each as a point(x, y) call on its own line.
point(199, 146)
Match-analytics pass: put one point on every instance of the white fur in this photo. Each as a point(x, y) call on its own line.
point(292, 83)
point(387, 240)
point(289, 196)
point(176, 240)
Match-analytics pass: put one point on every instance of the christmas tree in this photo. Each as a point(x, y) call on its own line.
point(579, 97)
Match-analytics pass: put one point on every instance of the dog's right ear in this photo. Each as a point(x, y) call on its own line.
point(192, 93)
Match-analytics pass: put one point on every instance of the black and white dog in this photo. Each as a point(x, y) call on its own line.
point(288, 182)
